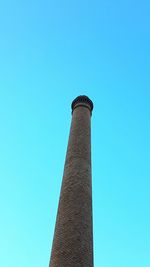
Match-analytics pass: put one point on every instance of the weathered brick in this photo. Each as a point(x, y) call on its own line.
point(73, 236)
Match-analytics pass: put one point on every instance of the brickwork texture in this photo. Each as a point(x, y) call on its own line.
point(73, 236)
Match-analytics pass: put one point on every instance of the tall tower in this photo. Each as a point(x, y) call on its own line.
point(73, 237)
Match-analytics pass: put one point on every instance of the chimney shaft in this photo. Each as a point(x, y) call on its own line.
point(73, 237)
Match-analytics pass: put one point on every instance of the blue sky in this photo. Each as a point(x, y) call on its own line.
point(50, 52)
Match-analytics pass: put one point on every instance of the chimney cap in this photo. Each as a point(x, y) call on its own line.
point(82, 99)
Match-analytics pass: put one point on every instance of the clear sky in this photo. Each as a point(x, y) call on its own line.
point(50, 52)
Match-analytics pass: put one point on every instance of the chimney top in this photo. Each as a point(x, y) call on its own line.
point(82, 99)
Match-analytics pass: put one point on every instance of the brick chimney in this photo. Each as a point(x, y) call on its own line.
point(73, 236)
